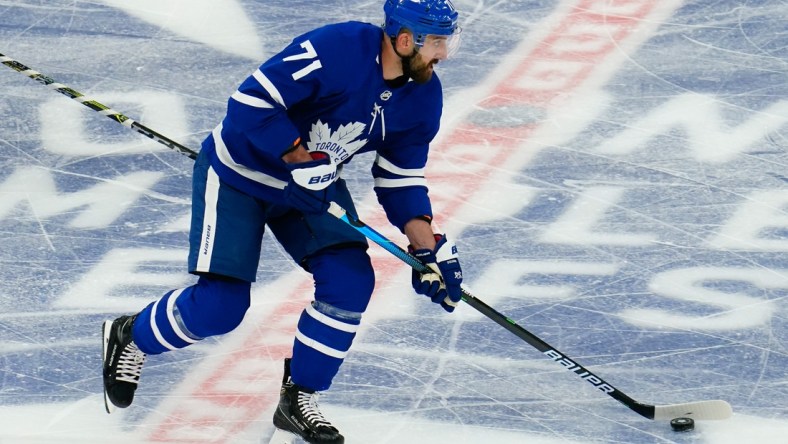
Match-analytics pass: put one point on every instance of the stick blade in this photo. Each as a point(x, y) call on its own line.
point(700, 410)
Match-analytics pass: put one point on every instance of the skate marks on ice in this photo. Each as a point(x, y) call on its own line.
point(640, 228)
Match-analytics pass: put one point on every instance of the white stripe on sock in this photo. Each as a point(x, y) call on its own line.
point(331, 322)
point(155, 328)
point(322, 348)
point(176, 327)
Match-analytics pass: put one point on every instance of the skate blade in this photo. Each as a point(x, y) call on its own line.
point(282, 437)
point(108, 406)
point(105, 331)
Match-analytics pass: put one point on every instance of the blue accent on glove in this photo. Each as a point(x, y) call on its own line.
point(312, 184)
point(442, 285)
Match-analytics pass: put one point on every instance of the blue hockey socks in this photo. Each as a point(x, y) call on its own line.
point(181, 317)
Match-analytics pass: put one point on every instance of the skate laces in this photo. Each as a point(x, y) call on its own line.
point(307, 404)
point(130, 364)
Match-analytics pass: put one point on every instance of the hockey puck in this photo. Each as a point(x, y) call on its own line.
point(682, 424)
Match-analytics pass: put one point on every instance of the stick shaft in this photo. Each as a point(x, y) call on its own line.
point(507, 323)
point(714, 409)
point(96, 106)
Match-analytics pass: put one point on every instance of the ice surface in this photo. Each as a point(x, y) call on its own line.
point(614, 173)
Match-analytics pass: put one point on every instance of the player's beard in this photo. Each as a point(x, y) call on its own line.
point(417, 69)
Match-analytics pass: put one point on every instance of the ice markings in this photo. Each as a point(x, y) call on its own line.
point(105, 202)
point(760, 224)
point(734, 310)
point(576, 224)
point(701, 117)
point(221, 25)
point(110, 285)
point(507, 116)
point(504, 278)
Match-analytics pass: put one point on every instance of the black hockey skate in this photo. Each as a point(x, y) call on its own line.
point(122, 363)
point(299, 414)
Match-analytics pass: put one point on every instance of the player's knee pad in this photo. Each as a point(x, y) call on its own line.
point(215, 306)
point(344, 278)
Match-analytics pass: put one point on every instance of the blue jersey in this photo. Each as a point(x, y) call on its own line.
point(327, 89)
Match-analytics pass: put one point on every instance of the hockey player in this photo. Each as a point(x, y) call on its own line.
point(276, 159)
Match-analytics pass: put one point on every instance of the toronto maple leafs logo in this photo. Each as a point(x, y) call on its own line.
point(339, 144)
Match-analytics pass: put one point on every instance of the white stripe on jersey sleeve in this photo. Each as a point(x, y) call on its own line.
point(390, 167)
point(227, 160)
point(269, 87)
point(396, 183)
point(246, 99)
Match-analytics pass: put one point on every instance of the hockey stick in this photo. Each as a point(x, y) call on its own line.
point(96, 106)
point(701, 410)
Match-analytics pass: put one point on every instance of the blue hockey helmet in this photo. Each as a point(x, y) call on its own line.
point(422, 18)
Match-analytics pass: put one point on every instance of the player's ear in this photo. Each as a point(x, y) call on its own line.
point(404, 42)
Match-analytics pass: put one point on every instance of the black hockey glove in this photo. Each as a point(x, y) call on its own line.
point(312, 184)
point(442, 284)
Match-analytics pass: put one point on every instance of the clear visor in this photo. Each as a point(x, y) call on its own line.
point(441, 47)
